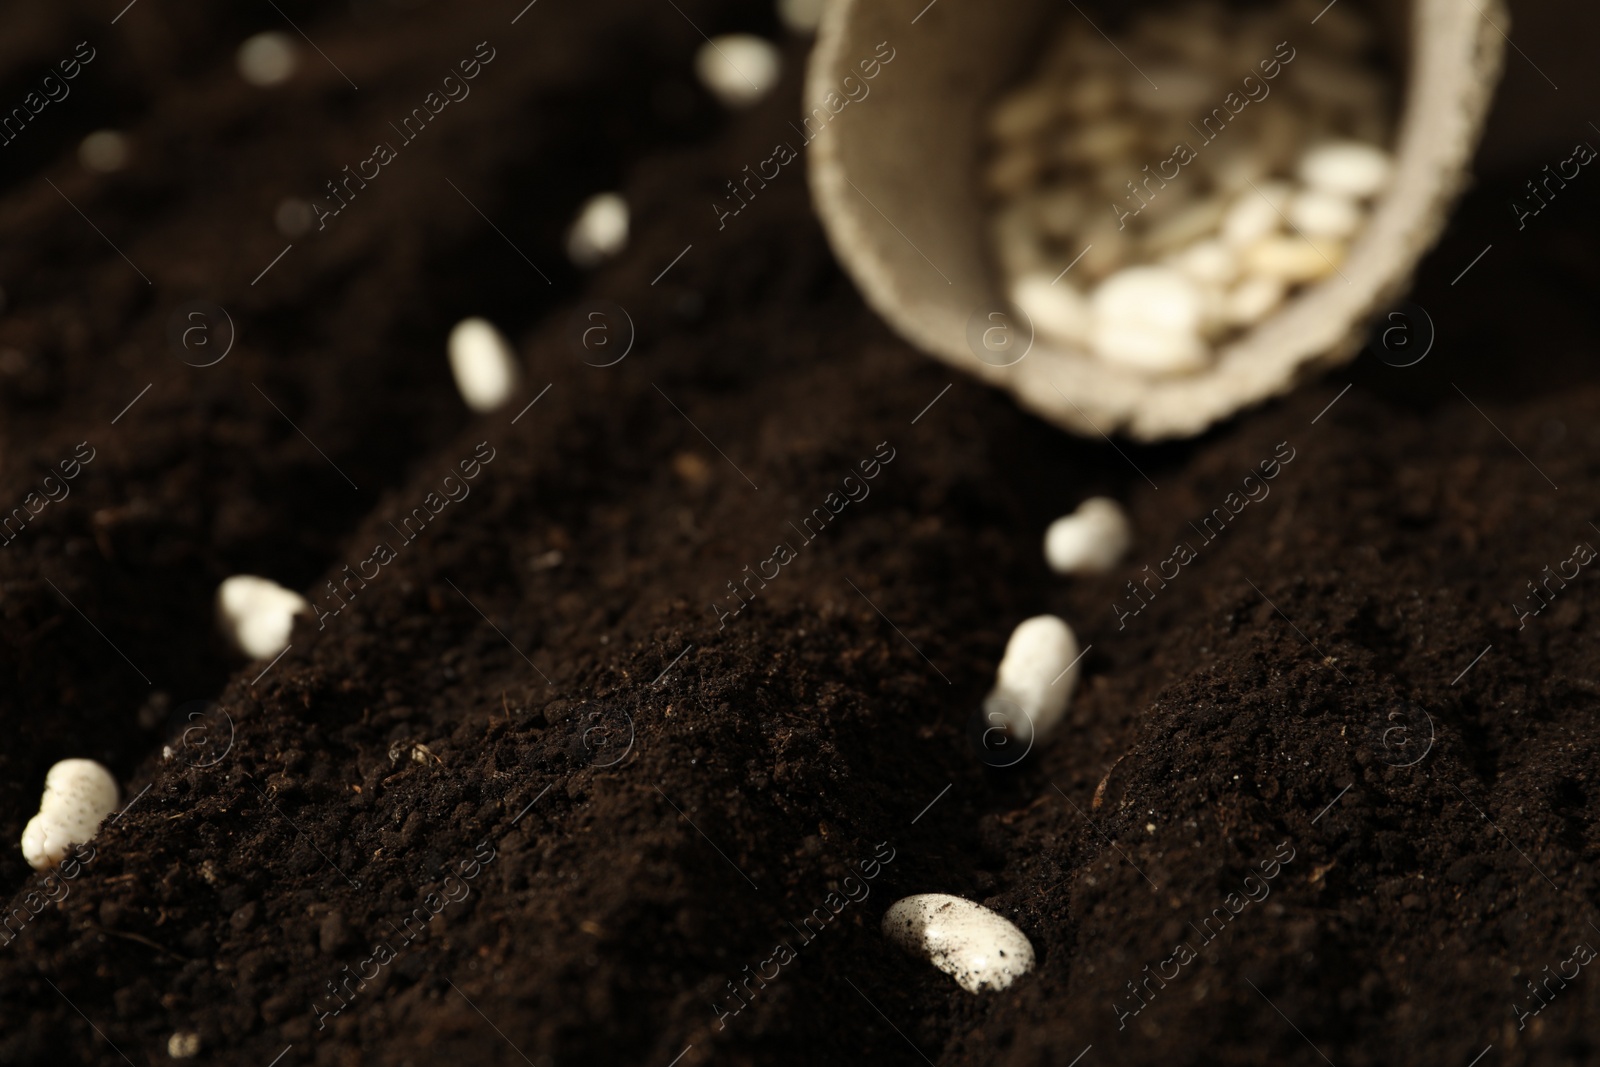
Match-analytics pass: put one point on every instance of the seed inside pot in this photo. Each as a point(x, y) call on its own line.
point(1157, 197)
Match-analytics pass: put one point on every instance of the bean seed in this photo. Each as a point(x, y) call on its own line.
point(1346, 168)
point(979, 948)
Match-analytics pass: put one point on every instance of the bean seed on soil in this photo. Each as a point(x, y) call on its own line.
point(481, 360)
point(1091, 540)
point(78, 795)
point(1036, 675)
point(981, 949)
point(257, 614)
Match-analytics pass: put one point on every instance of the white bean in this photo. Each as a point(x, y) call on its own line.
point(800, 16)
point(183, 1045)
point(1091, 540)
point(485, 370)
point(78, 795)
point(104, 151)
point(267, 59)
point(1255, 214)
point(1151, 351)
point(600, 230)
point(1108, 248)
point(257, 614)
point(1253, 300)
point(1346, 168)
point(981, 949)
point(1319, 214)
point(1295, 260)
point(1038, 673)
point(1209, 262)
point(1057, 310)
point(1156, 297)
point(740, 69)
point(1234, 166)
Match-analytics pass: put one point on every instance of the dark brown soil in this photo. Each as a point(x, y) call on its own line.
point(607, 804)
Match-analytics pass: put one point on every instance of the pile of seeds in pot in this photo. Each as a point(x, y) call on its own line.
point(1158, 196)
